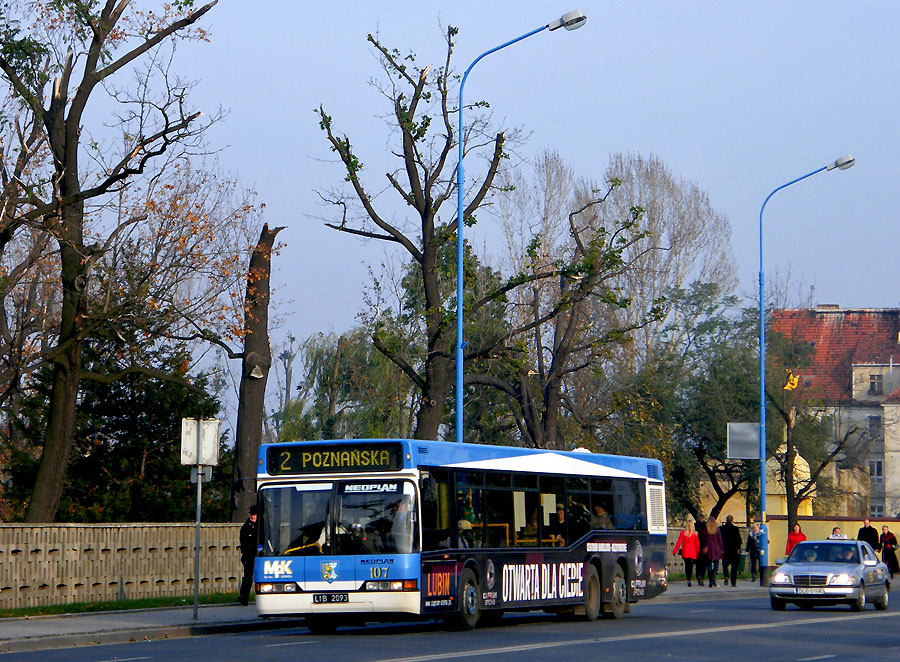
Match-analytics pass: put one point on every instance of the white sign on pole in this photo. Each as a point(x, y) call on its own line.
point(205, 474)
point(743, 441)
point(208, 441)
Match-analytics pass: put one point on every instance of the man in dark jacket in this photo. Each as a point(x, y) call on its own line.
point(731, 550)
point(868, 533)
point(248, 554)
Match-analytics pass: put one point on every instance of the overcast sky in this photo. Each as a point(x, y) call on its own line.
point(738, 97)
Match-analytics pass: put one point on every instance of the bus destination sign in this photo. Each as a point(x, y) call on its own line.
point(328, 458)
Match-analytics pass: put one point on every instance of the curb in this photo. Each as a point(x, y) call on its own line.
point(708, 595)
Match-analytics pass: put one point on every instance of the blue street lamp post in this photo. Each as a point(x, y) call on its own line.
point(842, 163)
point(571, 21)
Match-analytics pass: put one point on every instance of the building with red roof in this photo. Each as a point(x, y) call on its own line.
point(854, 372)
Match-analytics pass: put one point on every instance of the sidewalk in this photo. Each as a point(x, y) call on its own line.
point(45, 632)
point(111, 627)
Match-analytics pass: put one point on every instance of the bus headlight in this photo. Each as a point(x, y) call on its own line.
point(266, 588)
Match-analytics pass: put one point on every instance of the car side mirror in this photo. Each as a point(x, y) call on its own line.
point(870, 562)
point(780, 561)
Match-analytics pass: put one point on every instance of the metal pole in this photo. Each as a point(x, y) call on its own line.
point(460, 223)
point(197, 537)
point(763, 527)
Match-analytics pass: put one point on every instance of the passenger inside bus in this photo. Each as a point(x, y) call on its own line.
point(600, 518)
point(558, 525)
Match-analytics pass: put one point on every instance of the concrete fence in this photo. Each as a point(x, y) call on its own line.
point(66, 563)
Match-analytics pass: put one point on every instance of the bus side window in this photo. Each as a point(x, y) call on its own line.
point(499, 509)
point(435, 490)
point(470, 510)
point(628, 505)
point(527, 513)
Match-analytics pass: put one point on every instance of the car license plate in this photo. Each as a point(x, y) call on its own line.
point(324, 598)
point(810, 591)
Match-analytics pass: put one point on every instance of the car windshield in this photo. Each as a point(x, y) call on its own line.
point(361, 517)
point(824, 553)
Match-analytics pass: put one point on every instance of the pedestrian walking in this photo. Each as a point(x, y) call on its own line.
point(702, 558)
point(752, 550)
point(796, 535)
point(731, 550)
point(868, 533)
point(248, 539)
point(689, 544)
point(713, 548)
point(888, 543)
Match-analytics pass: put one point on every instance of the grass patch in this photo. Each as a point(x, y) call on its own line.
point(119, 605)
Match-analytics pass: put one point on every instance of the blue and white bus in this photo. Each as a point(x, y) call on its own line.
point(386, 529)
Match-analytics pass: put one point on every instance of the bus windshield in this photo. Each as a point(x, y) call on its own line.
point(352, 517)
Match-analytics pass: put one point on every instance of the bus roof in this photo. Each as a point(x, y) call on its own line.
point(502, 458)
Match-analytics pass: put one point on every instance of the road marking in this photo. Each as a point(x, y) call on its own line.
point(126, 659)
point(701, 611)
point(448, 655)
point(290, 643)
point(817, 657)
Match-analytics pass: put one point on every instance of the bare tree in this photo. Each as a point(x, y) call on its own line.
point(421, 112)
point(691, 242)
point(256, 360)
point(568, 261)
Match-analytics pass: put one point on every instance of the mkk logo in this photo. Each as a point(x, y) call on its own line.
point(330, 571)
point(277, 568)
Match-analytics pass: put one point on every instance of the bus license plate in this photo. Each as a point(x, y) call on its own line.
point(810, 591)
point(325, 598)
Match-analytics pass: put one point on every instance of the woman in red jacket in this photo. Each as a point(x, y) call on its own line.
point(794, 537)
point(689, 543)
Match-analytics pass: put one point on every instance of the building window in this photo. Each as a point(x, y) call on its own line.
point(876, 471)
point(876, 385)
point(876, 511)
point(874, 427)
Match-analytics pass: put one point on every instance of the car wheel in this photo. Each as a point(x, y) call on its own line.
point(778, 604)
point(882, 602)
point(469, 605)
point(592, 600)
point(860, 603)
point(615, 608)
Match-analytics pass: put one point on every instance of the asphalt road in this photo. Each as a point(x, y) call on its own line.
point(715, 630)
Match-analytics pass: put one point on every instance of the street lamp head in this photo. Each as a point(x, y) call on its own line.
point(571, 21)
point(843, 163)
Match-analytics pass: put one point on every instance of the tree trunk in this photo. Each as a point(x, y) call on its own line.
point(255, 364)
point(51, 474)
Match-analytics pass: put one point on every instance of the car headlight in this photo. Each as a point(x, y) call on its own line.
point(781, 578)
point(843, 579)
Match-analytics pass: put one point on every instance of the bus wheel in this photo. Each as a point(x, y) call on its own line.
point(469, 606)
point(615, 608)
point(592, 601)
point(321, 624)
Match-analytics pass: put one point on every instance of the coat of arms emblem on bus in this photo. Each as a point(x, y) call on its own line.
point(330, 571)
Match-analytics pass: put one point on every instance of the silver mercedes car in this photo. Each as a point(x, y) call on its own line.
point(826, 572)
